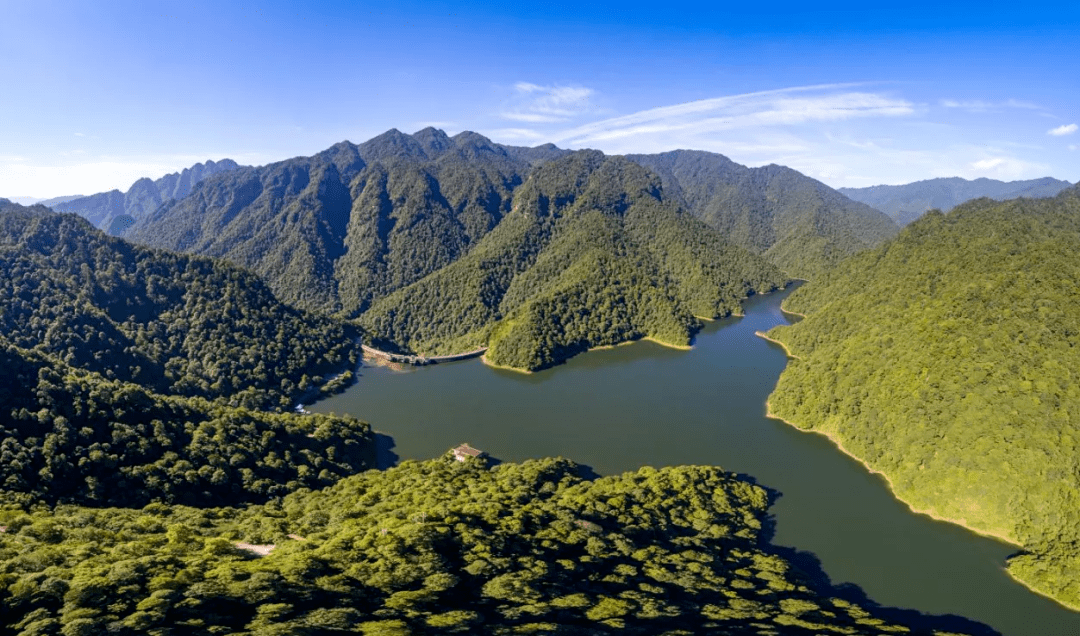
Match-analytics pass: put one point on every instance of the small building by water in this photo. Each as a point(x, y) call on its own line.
point(464, 451)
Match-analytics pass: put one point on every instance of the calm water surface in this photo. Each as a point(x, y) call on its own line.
point(643, 404)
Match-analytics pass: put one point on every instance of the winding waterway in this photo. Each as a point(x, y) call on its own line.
point(643, 404)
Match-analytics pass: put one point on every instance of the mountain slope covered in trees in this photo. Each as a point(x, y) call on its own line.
point(590, 255)
point(434, 547)
point(175, 323)
point(351, 224)
point(134, 375)
point(798, 223)
point(427, 239)
point(116, 211)
point(949, 360)
point(905, 203)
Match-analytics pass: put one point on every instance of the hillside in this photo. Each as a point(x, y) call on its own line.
point(949, 359)
point(134, 375)
point(434, 547)
point(430, 241)
point(351, 224)
point(71, 435)
point(800, 224)
point(591, 255)
point(116, 211)
point(905, 203)
point(173, 323)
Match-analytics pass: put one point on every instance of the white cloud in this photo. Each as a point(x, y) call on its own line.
point(1073, 147)
point(1004, 167)
point(1063, 130)
point(784, 107)
point(548, 104)
point(979, 106)
point(516, 135)
point(78, 134)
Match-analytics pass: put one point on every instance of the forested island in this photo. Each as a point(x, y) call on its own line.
point(948, 359)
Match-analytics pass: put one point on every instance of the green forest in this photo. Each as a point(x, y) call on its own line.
point(439, 245)
point(949, 360)
point(591, 255)
point(173, 323)
point(433, 547)
point(135, 375)
point(800, 224)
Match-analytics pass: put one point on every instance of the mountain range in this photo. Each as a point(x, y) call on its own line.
point(798, 223)
point(905, 203)
point(436, 243)
point(116, 211)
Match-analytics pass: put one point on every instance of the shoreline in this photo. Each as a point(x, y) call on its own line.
point(889, 483)
point(764, 336)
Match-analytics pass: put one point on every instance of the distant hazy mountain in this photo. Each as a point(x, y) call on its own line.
point(115, 211)
point(801, 224)
point(905, 203)
point(39, 201)
point(437, 243)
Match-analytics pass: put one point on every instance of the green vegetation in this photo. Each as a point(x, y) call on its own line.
point(591, 255)
point(112, 354)
point(949, 360)
point(436, 244)
point(69, 435)
point(905, 203)
point(172, 323)
point(429, 547)
point(800, 224)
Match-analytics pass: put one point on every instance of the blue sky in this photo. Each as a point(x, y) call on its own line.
point(99, 94)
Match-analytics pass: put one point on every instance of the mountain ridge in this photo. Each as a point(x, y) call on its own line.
point(115, 211)
point(905, 203)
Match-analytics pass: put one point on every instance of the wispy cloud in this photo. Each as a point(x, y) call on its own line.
point(782, 107)
point(1061, 131)
point(517, 134)
point(980, 106)
point(533, 103)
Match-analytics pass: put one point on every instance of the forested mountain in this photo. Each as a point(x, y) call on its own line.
point(590, 255)
point(798, 223)
point(71, 435)
point(949, 360)
point(905, 203)
point(350, 224)
point(112, 354)
point(174, 323)
point(431, 240)
point(116, 211)
point(435, 547)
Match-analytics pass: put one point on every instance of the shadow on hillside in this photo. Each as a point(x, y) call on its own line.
point(385, 457)
point(809, 568)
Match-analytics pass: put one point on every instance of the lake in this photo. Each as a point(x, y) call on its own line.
point(643, 404)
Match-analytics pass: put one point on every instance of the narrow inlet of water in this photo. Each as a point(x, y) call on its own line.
point(643, 404)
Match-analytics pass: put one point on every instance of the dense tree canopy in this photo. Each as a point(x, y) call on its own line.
point(798, 223)
point(173, 323)
point(949, 359)
point(69, 435)
point(591, 255)
point(133, 375)
point(431, 547)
